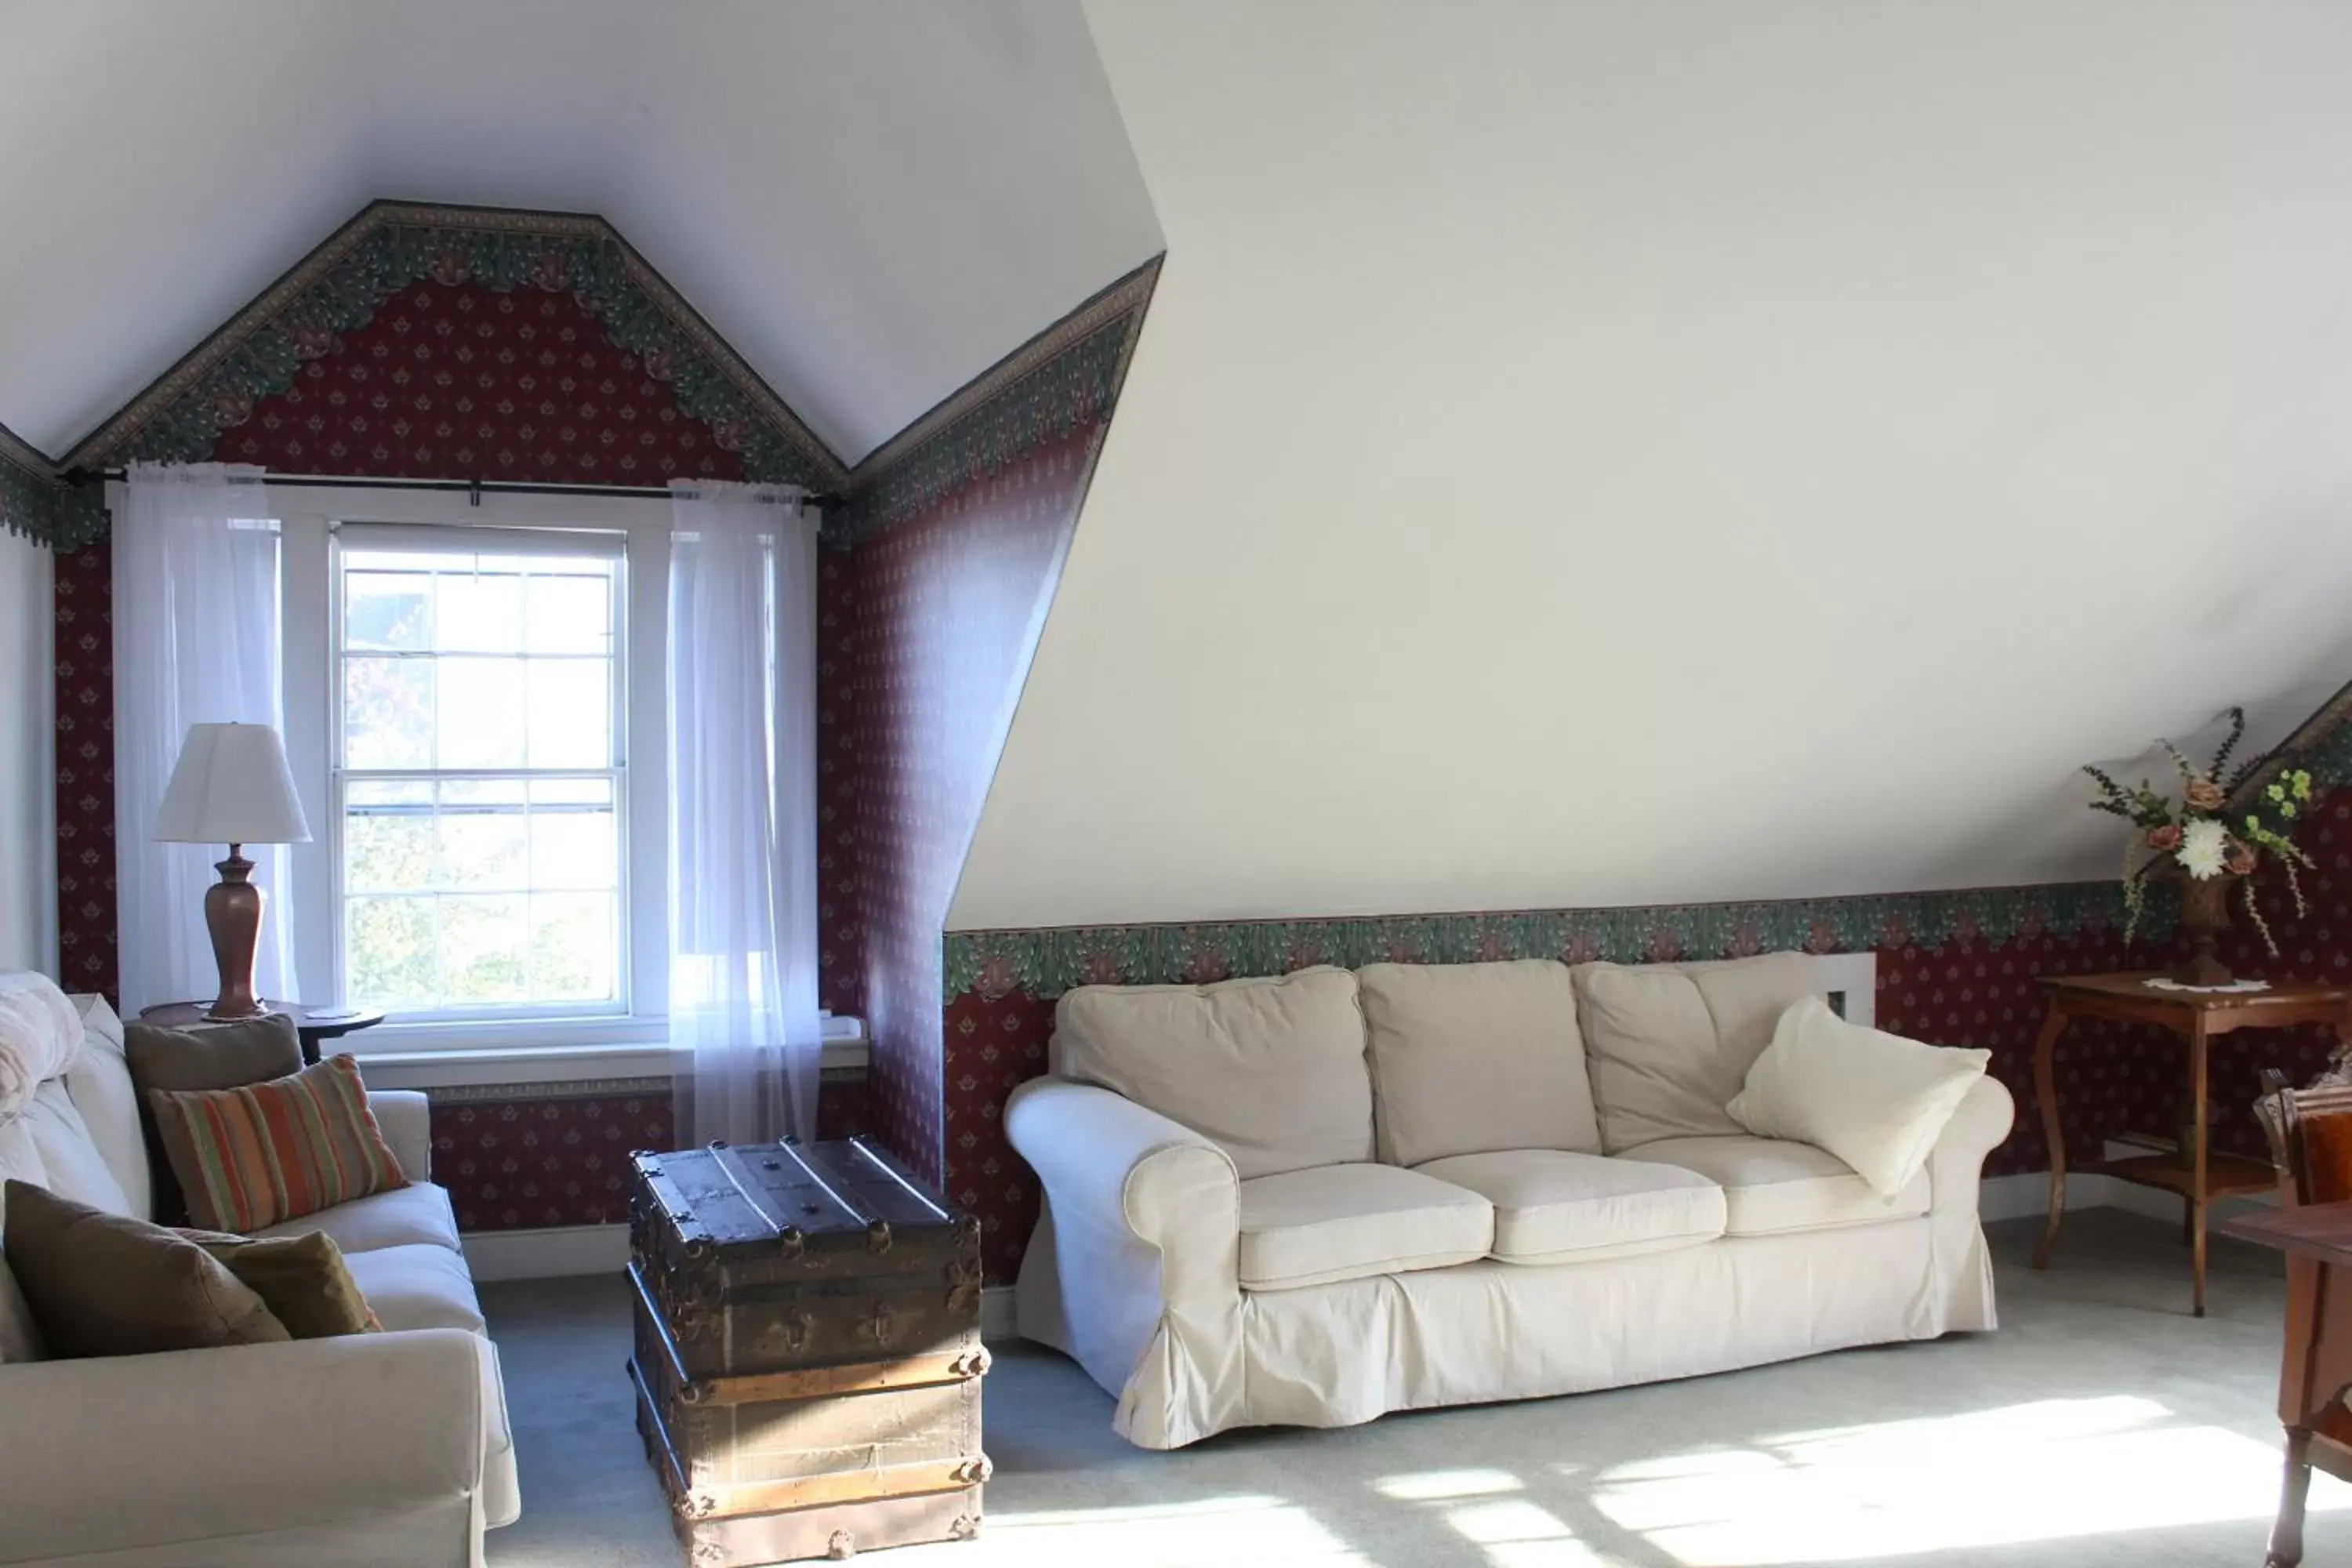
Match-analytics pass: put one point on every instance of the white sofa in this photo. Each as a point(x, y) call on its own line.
point(1314, 1199)
point(378, 1449)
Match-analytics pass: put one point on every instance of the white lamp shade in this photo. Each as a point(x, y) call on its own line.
point(231, 785)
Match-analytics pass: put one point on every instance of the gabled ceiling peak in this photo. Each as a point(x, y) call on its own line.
point(391, 244)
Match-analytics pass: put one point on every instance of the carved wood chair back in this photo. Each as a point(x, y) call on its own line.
point(2310, 1133)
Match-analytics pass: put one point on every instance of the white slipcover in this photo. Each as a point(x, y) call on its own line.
point(1342, 1222)
point(1557, 1207)
point(1472, 1057)
point(1671, 1044)
point(1270, 1070)
point(1771, 1184)
point(380, 1447)
point(1136, 1268)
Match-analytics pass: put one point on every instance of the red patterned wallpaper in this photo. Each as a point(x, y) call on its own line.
point(85, 747)
point(925, 633)
point(547, 1154)
point(461, 382)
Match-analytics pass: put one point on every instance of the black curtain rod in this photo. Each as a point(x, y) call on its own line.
point(475, 487)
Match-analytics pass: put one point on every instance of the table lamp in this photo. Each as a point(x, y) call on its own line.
point(231, 785)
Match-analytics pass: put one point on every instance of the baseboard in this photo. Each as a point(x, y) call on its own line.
point(2027, 1195)
point(555, 1253)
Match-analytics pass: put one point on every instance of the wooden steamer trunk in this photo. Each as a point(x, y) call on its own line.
point(808, 1356)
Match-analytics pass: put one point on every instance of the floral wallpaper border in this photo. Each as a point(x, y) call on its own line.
point(1044, 964)
point(389, 246)
point(1066, 375)
point(32, 498)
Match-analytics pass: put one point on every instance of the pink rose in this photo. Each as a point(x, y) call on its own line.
point(2164, 840)
point(2202, 794)
point(2239, 861)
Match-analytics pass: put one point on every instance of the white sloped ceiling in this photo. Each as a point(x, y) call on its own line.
point(1652, 450)
point(872, 203)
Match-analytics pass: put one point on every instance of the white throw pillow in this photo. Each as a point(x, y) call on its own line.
point(1876, 1101)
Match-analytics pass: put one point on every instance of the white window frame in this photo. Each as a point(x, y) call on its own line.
point(308, 517)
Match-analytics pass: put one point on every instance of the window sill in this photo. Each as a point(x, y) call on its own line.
point(454, 1067)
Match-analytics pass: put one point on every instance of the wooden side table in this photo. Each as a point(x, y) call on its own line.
point(2196, 1175)
point(312, 1023)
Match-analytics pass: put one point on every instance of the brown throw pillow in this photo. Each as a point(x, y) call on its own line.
point(102, 1284)
point(301, 1278)
point(209, 1056)
point(252, 1157)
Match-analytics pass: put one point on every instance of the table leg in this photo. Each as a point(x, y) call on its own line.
point(2198, 1138)
point(2045, 1090)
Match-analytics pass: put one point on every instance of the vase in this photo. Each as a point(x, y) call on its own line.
point(2204, 916)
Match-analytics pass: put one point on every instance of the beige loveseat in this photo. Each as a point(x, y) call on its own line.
point(1311, 1200)
point(388, 1448)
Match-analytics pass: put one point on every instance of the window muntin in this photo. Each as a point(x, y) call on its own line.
point(480, 813)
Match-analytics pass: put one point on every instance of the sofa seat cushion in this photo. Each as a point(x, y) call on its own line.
point(1349, 1222)
point(1771, 1184)
point(1468, 1059)
point(1552, 1207)
point(417, 1215)
point(1271, 1070)
point(416, 1288)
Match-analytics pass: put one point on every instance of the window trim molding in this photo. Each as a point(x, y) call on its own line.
point(306, 516)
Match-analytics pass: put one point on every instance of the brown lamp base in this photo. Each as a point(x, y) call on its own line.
point(232, 917)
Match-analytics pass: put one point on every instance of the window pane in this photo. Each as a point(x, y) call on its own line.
point(573, 848)
point(571, 615)
point(484, 950)
point(388, 851)
point(480, 721)
point(463, 891)
point(573, 951)
point(485, 849)
point(388, 951)
point(387, 713)
point(571, 713)
point(387, 610)
point(481, 615)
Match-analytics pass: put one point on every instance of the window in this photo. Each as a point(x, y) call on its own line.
point(481, 853)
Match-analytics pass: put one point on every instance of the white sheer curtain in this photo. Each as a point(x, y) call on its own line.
point(742, 810)
point(195, 642)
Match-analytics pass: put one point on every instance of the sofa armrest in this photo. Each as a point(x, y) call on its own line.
point(406, 1117)
point(1117, 1171)
point(130, 1453)
point(1977, 1128)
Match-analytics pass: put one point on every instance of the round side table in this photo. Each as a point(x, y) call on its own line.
point(312, 1023)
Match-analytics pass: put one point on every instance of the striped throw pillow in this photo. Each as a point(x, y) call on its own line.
point(266, 1153)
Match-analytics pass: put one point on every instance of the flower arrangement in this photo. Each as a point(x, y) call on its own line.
point(2197, 839)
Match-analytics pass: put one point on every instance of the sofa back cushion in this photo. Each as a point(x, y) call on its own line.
point(71, 1162)
point(1468, 1059)
point(99, 1082)
point(1671, 1044)
point(1272, 1070)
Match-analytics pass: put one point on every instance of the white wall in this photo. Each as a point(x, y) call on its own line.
point(29, 890)
point(1657, 450)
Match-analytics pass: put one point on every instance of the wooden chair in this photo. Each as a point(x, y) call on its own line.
point(2311, 1143)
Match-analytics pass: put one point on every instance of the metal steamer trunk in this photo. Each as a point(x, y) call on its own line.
point(808, 1356)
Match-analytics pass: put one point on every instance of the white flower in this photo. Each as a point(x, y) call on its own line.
point(2204, 846)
